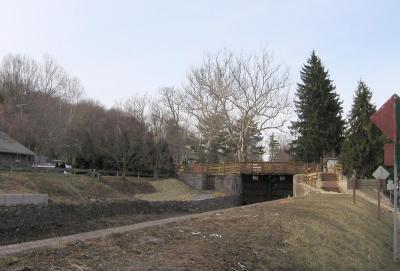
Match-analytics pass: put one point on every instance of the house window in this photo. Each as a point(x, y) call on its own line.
point(18, 158)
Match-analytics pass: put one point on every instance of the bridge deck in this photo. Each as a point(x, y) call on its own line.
point(288, 168)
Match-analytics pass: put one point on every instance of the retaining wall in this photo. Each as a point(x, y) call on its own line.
point(229, 185)
point(21, 199)
point(195, 180)
point(302, 189)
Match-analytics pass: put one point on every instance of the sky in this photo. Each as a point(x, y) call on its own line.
point(123, 48)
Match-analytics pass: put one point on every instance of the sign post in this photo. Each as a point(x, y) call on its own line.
point(380, 174)
point(395, 192)
point(387, 119)
point(354, 186)
point(390, 187)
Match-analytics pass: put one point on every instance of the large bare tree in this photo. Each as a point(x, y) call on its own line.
point(233, 92)
point(175, 122)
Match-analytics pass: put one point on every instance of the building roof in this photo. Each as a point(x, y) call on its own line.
point(10, 145)
point(282, 156)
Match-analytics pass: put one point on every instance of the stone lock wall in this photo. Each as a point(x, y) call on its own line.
point(195, 180)
point(229, 185)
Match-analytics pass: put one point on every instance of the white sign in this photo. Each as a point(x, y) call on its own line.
point(381, 173)
point(390, 185)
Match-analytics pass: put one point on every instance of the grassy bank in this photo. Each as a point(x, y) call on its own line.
point(77, 189)
point(73, 188)
point(322, 232)
point(170, 189)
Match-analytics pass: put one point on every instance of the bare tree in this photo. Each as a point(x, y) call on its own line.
point(157, 147)
point(172, 99)
point(53, 79)
point(135, 106)
point(19, 76)
point(232, 92)
point(175, 122)
point(121, 139)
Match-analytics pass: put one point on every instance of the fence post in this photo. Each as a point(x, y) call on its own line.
point(379, 199)
point(354, 189)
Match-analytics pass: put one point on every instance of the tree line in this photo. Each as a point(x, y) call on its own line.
point(221, 113)
point(321, 131)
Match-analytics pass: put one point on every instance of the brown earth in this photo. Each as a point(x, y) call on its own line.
point(129, 186)
point(73, 227)
point(74, 189)
point(321, 232)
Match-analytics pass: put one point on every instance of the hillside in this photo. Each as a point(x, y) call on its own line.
point(77, 189)
point(72, 188)
point(321, 232)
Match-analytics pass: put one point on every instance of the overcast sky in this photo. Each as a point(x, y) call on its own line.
point(121, 48)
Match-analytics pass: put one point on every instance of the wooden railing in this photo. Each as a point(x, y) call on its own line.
point(248, 168)
point(317, 178)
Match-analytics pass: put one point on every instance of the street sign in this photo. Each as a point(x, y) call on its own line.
point(390, 185)
point(385, 118)
point(381, 173)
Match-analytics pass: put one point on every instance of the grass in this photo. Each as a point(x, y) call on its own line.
point(320, 232)
point(72, 188)
point(170, 189)
point(77, 189)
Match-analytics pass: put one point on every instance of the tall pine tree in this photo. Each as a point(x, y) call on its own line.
point(362, 148)
point(319, 129)
point(273, 147)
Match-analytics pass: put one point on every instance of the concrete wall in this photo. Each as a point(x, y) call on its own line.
point(195, 180)
point(301, 189)
point(229, 185)
point(27, 219)
point(21, 199)
point(362, 183)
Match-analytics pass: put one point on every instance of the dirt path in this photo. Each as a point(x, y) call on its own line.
point(59, 241)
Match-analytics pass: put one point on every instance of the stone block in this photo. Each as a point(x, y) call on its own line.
point(23, 199)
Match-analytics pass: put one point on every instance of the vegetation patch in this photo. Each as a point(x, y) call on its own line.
point(170, 189)
point(70, 188)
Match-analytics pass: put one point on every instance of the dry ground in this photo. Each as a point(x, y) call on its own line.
point(78, 189)
point(170, 189)
point(321, 232)
point(70, 188)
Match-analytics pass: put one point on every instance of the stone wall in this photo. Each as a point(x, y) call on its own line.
point(195, 180)
point(302, 189)
point(22, 199)
point(229, 185)
point(25, 219)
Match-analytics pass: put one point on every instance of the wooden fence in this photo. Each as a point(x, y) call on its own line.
point(248, 168)
point(313, 176)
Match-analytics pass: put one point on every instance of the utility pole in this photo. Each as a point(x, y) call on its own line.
point(395, 199)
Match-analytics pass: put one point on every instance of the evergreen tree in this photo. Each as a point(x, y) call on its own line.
point(363, 145)
point(254, 148)
point(319, 129)
point(273, 147)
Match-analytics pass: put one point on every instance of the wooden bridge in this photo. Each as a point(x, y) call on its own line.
point(285, 168)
